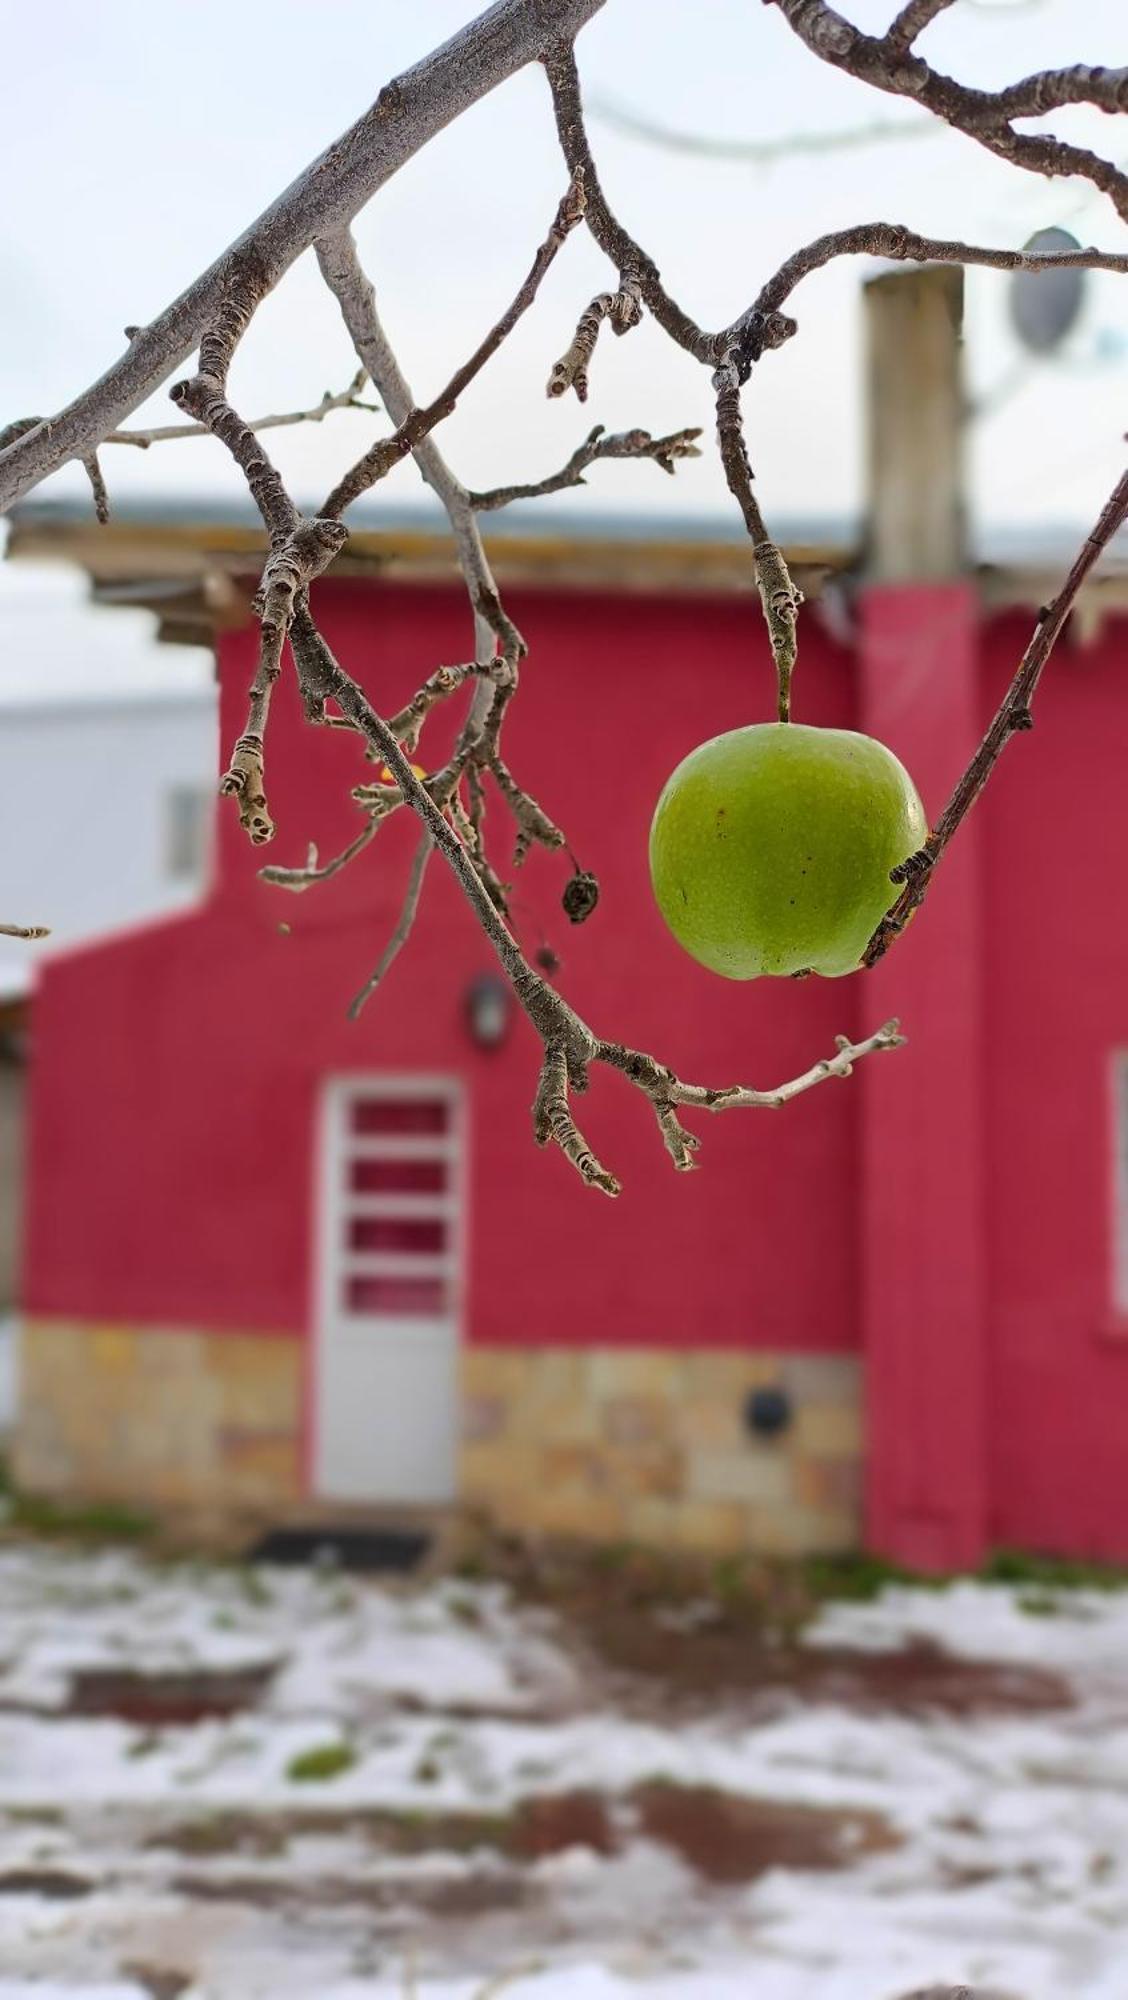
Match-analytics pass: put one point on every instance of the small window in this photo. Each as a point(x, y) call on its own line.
point(1120, 1181)
point(187, 809)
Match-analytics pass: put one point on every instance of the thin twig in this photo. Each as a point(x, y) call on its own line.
point(25, 930)
point(570, 1046)
point(313, 872)
point(418, 423)
point(623, 308)
point(665, 451)
point(346, 399)
point(402, 930)
point(893, 240)
point(1012, 715)
point(322, 201)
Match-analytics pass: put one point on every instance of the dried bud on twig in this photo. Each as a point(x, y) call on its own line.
point(581, 894)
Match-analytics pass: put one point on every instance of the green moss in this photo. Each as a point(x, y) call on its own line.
point(100, 1521)
point(326, 1760)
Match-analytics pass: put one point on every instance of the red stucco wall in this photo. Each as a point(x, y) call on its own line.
point(175, 1089)
point(949, 1211)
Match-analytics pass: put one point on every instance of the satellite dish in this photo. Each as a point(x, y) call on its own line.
point(1044, 305)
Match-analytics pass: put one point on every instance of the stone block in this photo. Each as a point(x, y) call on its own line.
point(757, 1476)
point(712, 1424)
point(711, 1526)
point(494, 1371)
point(828, 1430)
point(830, 1483)
point(822, 1378)
point(637, 1419)
point(483, 1417)
point(652, 1372)
point(112, 1350)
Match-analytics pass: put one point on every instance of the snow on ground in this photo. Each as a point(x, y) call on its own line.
point(150, 1854)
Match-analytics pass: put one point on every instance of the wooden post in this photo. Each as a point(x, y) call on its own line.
point(916, 514)
point(922, 1155)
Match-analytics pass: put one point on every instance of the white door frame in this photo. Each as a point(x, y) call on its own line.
point(334, 1149)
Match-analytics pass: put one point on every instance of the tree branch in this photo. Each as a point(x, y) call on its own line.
point(570, 1046)
point(888, 64)
point(665, 451)
point(418, 423)
point(1012, 716)
point(347, 399)
point(893, 240)
point(912, 21)
point(408, 112)
point(402, 930)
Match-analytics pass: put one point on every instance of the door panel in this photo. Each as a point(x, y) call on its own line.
point(389, 1296)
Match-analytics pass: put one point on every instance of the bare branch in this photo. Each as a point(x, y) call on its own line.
point(346, 399)
point(402, 930)
point(1013, 715)
point(341, 269)
point(553, 1120)
point(93, 473)
point(615, 241)
point(409, 111)
point(778, 595)
point(665, 451)
point(300, 550)
point(624, 310)
point(912, 21)
point(893, 240)
point(25, 930)
point(305, 878)
point(983, 115)
point(570, 1046)
point(418, 423)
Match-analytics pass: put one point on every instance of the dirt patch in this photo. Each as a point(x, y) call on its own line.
point(156, 1699)
point(730, 1839)
point(726, 1662)
point(724, 1836)
point(56, 1885)
point(473, 1895)
point(669, 1635)
point(542, 1824)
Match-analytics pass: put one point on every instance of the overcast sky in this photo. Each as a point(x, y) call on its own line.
point(138, 140)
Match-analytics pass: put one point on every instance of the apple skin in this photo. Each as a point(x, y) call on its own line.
point(771, 847)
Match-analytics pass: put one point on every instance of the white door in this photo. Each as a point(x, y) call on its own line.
point(385, 1388)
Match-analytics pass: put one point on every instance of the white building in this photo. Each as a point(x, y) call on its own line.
point(107, 790)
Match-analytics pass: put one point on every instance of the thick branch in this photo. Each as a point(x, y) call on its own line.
point(912, 21)
point(408, 113)
point(1012, 716)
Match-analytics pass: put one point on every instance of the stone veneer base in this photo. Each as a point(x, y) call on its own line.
point(604, 1444)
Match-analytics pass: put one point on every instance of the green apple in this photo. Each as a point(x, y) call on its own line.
point(771, 848)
